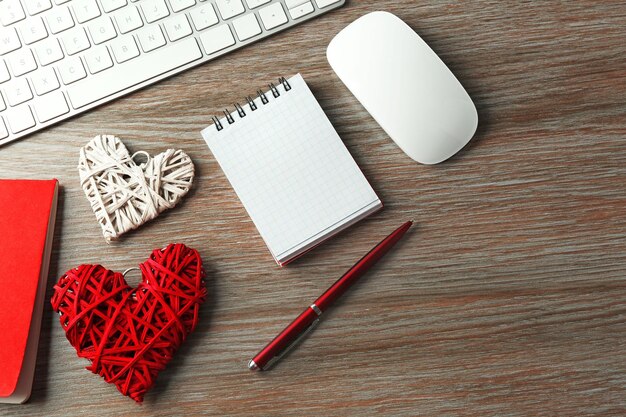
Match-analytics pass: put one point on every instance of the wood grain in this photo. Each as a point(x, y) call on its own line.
point(508, 298)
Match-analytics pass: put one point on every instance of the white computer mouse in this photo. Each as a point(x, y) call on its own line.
point(405, 86)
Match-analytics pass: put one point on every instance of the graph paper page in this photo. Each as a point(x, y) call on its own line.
point(291, 171)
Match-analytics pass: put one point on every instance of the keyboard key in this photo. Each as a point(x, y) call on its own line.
point(151, 38)
point(85, 10)
point(20, 119)
point(75, 40)
point(178, 5)
point(8, 40)
point(4, 72)
point(59, 19)
point(301, 10)
point(48, 51)
point(11, 11)
point(37, 6)
point(294, 3)
point(33, 30)
point(177, 27)
point(50, 106)
point(110, 5)
point(230, 8)
point(71, 70)
point(124, 76)
point(204, 16)
point(325, 3)
point(256, 3)
point(128, 19)
point(124, 49)
point(246, 27)
point(21, 62)
point(3, 130)
point(273, 16)
point(18, 91)
point(154, 10)
point(45, 80)
point(98, 59)
point(3, 106)
point(101, 30)
point(217, 39)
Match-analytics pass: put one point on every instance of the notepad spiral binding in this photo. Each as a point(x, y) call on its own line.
point(251, 104)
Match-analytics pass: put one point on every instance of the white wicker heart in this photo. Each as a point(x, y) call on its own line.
point(125, 194)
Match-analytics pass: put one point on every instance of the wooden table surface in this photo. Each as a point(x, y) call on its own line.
point(509, 296)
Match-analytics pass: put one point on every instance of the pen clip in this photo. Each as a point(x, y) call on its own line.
point(297, 340)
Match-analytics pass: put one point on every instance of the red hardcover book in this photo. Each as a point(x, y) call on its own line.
point(27, 215)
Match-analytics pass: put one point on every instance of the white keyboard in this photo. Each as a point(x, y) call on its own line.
point(59, 58)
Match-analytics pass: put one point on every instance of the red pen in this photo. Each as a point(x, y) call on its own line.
point(309, 318)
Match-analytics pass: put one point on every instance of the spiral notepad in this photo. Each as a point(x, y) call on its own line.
point(290, 169)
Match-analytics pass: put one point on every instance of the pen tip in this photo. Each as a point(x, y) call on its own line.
point(253, 366)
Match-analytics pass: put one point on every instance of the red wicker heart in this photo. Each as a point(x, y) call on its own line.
point(130, 334)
